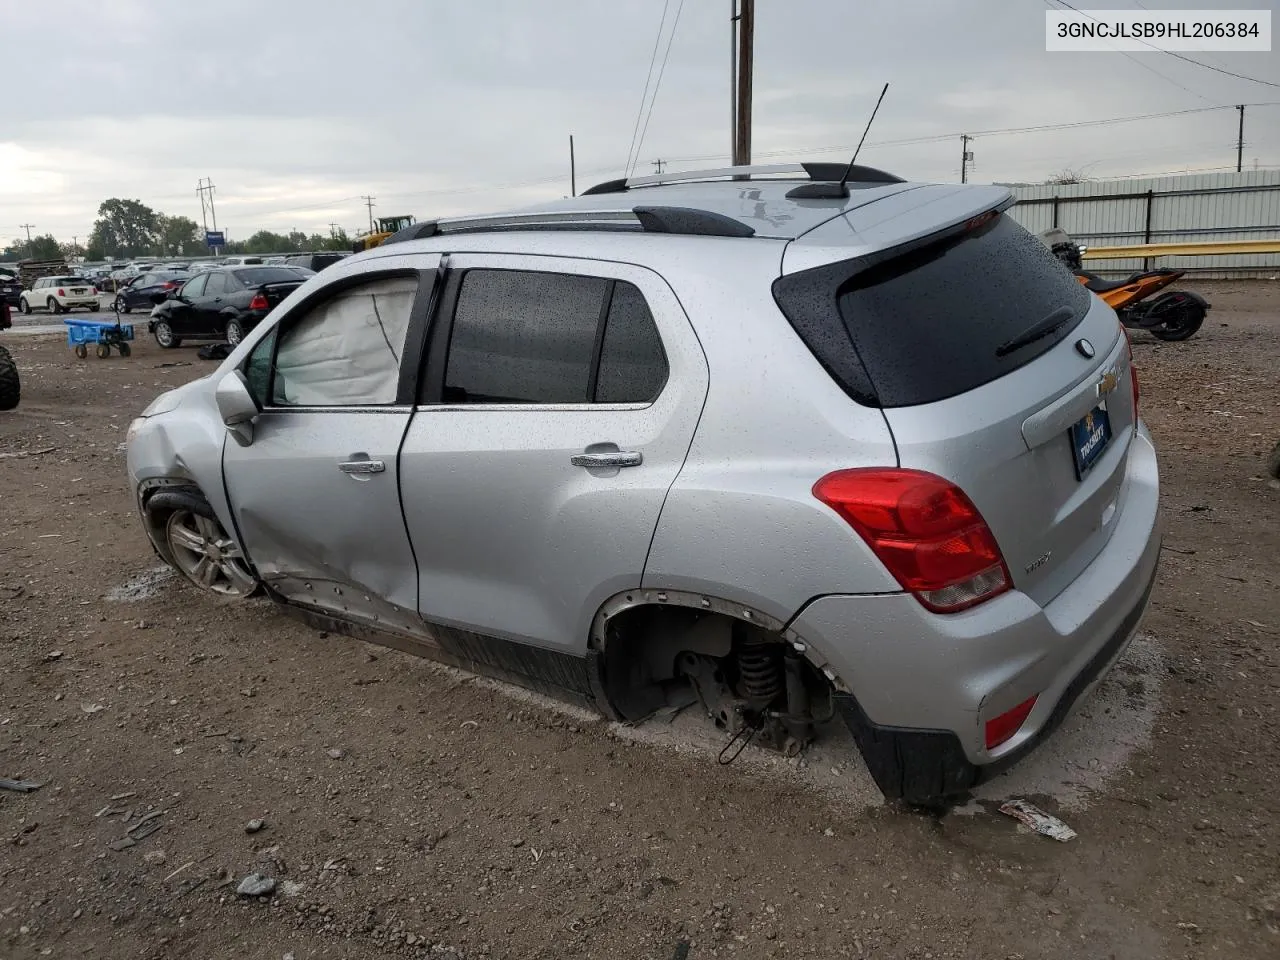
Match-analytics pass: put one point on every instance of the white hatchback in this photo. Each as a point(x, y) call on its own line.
point(59, 295)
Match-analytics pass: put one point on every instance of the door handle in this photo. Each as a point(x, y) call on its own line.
point(610, 458)
point(362, 467)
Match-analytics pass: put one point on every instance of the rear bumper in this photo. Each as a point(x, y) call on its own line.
point(923, 685)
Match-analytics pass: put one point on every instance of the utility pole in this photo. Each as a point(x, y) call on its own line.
point(333, 230)
point(742, 118)
point(27, 227)
point(965, 157)
point(204, 212)
point(658, 165)
point(1240, 140)
point(573, 170)
point(368, 202)
point(733, 79)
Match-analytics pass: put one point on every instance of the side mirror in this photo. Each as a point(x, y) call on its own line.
point(236, 406)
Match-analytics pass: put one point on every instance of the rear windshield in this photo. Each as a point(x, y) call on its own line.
point(67, 281)
point(257, 276)
point(937, 320)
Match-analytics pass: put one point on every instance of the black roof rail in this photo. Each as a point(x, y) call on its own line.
point(416, 231)
point(816, 172)
point(685, 221)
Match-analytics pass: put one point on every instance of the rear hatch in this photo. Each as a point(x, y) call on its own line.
point(77, 287)
point(998, 371)
point(273, 283)
point(275, 292)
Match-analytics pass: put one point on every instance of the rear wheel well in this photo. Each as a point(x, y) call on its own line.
point(667, 650)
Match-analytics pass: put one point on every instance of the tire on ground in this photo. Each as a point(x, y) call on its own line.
point(10, 385)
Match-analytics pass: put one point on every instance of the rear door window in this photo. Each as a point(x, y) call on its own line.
point(633, 365)
point(523, 337)
point(922, 324)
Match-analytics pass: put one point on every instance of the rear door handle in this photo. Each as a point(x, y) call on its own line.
point(362, 467)
point(611, 458)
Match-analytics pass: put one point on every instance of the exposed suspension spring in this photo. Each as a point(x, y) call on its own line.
point(760, 669)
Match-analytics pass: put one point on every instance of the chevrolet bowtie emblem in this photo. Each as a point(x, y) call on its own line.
point(1107, 383)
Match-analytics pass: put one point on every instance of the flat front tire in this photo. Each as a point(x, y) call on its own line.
point(206, 556)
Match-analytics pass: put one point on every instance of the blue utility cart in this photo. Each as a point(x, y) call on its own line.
point(105, 333)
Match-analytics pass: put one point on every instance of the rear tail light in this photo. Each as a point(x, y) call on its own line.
point(1133, 371)
point(169, 285)
point(61, 292)
point(925, 530)
point(1000, 729)
point(259, 302)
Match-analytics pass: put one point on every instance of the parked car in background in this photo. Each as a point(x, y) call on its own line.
point(221, 304)
point(59, 295)
point(141, 292)
point(10, 289)
point(241, 262)
point(316, 261)
point(857, 450)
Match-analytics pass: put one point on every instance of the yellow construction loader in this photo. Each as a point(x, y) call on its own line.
point(386, 227)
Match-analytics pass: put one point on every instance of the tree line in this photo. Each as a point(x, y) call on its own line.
point(127, 229)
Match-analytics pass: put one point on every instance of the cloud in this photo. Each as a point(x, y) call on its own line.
point(297, 109)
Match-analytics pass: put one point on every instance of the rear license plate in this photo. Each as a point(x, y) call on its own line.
point(1089, 438)
point(79, 292)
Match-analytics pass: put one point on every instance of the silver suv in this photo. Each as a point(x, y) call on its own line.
point(751, 438)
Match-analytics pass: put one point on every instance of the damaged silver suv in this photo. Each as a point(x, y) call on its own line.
point(773, 439)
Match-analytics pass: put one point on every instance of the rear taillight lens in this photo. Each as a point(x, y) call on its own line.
point(61, 292)
point(1133, 371)
point(169, 285)
point(259, 302)
point(925, 530)
point(1001, 728)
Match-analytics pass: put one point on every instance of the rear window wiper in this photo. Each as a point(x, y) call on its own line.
point(1042, 329)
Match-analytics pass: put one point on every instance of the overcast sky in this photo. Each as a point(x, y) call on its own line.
point(297, 107)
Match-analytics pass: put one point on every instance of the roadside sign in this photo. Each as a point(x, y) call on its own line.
point(215, 238)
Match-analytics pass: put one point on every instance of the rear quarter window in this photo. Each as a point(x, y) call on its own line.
point(921, 324)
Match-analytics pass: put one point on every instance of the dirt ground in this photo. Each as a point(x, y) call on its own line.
point(412, 810)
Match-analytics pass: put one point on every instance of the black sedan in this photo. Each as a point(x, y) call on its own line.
point(142, 291)
point(10, 289)
point(221, 304)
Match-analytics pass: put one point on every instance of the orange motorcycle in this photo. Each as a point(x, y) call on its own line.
point(1173, 315)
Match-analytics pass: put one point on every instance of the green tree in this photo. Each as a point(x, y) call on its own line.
point(43, 248)
point(180, 236)
point(264, 241)
point(125, 228)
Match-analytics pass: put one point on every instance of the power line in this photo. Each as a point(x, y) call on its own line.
point(368, 202)
point(998, 132)
point(1179, 56)
point(656, 86)
point(1146, 66)
point(644, 95)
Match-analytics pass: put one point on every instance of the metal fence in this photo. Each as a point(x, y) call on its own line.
point(1180, 209)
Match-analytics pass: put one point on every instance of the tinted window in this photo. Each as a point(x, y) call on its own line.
point(195, 287)
point(633, 367)
point(216, 285)
point(345, 351)
point(930, 322)
point(523, 337)
point(257, 276)
point(145, 280)
point(257, 371)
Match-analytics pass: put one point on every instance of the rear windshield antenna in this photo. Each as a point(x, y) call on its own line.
point(849, 169)
point(821, 190)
